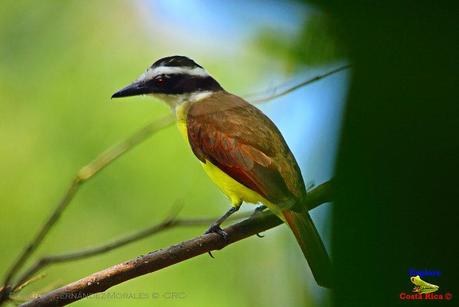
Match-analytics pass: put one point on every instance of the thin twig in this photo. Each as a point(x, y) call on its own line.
point(114, 152)
point(4, 292)
point(298, 86)
point(98, 164)
point(28, 282)
point(157, 260)
point(86, 172)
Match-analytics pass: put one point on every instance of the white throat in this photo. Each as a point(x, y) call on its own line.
point(177, 100)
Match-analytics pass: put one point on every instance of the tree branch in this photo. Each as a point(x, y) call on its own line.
point(275, 95)
point(157, 260)
point(169, 222)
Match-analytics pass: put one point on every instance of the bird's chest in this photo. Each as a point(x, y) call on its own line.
point(181, 112)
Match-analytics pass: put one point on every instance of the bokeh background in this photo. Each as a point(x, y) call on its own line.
point(396, 151)
point(60, 61)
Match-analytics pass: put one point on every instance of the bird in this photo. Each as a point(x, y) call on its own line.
point(239, 147)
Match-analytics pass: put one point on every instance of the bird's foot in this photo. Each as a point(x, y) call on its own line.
point(260, 208)
point(214, 228)
point(257, 210)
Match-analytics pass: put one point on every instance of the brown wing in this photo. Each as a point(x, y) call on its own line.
point(246, 145)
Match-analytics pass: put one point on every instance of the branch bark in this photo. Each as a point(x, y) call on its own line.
point(157, 260)
point(169, 222)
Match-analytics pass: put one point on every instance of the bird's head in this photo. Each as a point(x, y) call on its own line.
point(171, 79)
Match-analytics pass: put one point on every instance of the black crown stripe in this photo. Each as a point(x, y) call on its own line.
point(176, 61)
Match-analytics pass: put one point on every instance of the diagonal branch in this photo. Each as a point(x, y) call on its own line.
point(157, 260)
point(169, 222)
point(275, 95)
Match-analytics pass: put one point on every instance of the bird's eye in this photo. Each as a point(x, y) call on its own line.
point(160, 80)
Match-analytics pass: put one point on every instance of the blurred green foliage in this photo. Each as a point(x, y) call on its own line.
point(60, 63)
point(313, 45)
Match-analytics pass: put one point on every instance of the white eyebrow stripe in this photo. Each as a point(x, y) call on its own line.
point(152, 72)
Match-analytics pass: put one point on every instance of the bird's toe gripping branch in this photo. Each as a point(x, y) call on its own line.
point(215, 228)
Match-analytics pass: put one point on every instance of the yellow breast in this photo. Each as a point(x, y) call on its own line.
point(236, 192)
point(181, 112)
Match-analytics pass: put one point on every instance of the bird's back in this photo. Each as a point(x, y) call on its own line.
point(244, 143)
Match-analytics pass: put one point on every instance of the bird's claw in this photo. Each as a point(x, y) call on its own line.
point(217, 229)
point(258, 210)
point(259, 235)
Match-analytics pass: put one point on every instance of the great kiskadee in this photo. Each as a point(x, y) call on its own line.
point(239, 147)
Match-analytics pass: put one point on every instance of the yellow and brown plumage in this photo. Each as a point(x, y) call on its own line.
point(242, 142)
point(239, 147)
point(245, 144)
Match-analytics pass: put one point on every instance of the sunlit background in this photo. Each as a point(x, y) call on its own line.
point(60, 61)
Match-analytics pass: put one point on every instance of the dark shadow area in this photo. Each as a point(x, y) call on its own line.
point(397, 163)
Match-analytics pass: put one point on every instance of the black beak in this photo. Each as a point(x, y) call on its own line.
point(134, 89)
